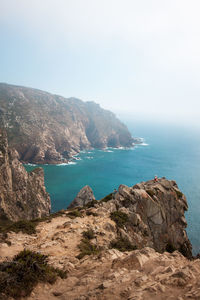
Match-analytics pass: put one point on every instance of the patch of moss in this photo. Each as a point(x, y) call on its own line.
point(24, 272)
point(91, 213)
point(122, 244)
point(74, 214)
point(151, 192)
point(89, 234)
point(179, 194)
point(119, 218)
point(107, 198)
point(91, 203)
point(24, 226)
point(86, 248)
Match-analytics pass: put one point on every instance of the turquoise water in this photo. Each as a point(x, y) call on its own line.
point(168, 151)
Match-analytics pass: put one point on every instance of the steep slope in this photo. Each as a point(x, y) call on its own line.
point(22, 194)
point(46, 128)
point(147, 216)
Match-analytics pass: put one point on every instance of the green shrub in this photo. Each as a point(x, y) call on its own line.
point(86, 248)
point(120, 218)
point(91, 203)
point(91, 213)
point(151, 192)
point(122, 244)
point(24, 226)
point(107, 198)
point(28, 226)
point(89, 234)
point(74, 214)
point(24, 272)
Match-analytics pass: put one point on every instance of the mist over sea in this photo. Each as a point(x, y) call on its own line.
point(170, 151)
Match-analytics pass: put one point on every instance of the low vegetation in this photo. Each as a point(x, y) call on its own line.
point(89, 234)
point(122, 244)
point(86, 248)
point(24, 272)
point(75, 213)
point(91, 213)
point(24, 226)
point(107, 198)
point(120, 218)
point(91, 203)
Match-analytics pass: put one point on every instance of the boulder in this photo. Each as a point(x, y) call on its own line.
point(83, 197)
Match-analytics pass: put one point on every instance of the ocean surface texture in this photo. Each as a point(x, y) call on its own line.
point(167, 151)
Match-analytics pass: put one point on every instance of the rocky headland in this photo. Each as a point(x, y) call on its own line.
point(47, 128)
point(22, 195)
point(128, 245)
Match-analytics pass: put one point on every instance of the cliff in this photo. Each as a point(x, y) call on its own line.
point(46, 128)
point(121, 247)
point(22, 194)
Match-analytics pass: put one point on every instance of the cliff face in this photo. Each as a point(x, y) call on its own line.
point(146, 217)
point(22, 194)
point(46, 128)
point(156, 211)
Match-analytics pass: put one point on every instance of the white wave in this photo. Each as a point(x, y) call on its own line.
point(108, 151)
point(144, 144)
point(66, 164)
point(89, 157)
point(32, 165)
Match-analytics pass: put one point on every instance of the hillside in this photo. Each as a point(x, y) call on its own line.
point(47, 128)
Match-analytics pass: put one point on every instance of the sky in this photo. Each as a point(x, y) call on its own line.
point(137, 58)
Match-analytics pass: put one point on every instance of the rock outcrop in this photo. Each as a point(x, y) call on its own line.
point(148, 216)
point(83, 197)
point(22, 194)
point(46, 128)
point(156, 215)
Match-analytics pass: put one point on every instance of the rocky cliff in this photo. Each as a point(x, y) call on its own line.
point(46, 128)
point(121, 247)
point(22, 194)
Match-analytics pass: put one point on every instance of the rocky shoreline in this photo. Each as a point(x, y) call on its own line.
point(50, 129)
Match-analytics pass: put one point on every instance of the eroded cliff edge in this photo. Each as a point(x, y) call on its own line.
point(46, 128)
point(22, 195)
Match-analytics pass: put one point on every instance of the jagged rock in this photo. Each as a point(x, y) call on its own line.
point(83, 197)
point(46, 128)
point(22, 194)
point(160, 206)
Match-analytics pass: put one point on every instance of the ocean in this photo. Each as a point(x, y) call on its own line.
point(170, 151)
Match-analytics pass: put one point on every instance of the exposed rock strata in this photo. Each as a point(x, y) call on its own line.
point(46, 128)
point(83, 197)
point(22, 194)
point(156, 209)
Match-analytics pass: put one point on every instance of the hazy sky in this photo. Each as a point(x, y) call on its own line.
point(136, 56)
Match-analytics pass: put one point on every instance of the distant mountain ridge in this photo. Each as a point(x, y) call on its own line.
point(47, 128)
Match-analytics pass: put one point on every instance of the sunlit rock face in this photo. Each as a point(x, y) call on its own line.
point(22, 194)
point(46, 128)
